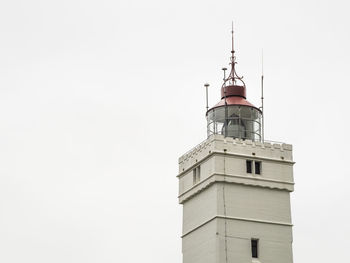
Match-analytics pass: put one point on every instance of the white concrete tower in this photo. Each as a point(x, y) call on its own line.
point(235, 187)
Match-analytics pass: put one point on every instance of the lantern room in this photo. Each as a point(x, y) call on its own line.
point(234, 116)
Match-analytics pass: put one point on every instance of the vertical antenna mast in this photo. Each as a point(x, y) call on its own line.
point(233, 59)
point(262, 96)
point(206, 85)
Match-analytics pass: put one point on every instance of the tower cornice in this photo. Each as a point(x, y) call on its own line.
point(218, 144)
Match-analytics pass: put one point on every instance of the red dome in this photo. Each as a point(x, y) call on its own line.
point(233, 90)
point(234, 100)
point(235, 95)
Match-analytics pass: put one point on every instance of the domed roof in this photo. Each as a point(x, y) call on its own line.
point(235, 95)
point(239, 101)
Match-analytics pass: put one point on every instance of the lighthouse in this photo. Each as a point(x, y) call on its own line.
point(235, 186)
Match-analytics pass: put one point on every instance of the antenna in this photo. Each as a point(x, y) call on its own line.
point(206, 85)
point(233, 59)
point(262, 95)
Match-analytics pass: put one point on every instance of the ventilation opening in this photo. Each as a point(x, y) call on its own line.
point(196, 174)
point(257, 167)
point(249, 166)
point(253, 164)
point(255, 248)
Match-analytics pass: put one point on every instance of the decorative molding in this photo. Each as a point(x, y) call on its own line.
point(220, 138)
point(218, 144)
point(205, 183)
point(239, 219)
point(228, 154)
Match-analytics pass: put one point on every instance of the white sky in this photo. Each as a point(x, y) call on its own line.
point(98, 99)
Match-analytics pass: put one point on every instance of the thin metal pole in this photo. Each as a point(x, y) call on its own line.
point(233, 60)
point(239, 122)
point(262, 96)
point(226, 114)
point(206, 85)
point(225, 121)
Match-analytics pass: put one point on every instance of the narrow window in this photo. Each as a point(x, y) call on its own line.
point(255, 248)
point(198, 173)
point(257, 167)
point(249, 166)
point(194, 175)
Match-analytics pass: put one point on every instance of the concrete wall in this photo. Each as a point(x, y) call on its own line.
point(201, 246)
point(200, 209)
point(207, 169)
point(236, 165)
point(275, 242)
point(256, 203)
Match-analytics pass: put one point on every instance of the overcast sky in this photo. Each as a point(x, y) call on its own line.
point(98, 99)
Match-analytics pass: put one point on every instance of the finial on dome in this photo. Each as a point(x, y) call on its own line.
point(233, 76)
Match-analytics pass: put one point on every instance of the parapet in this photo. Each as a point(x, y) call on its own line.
point(279, 152)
